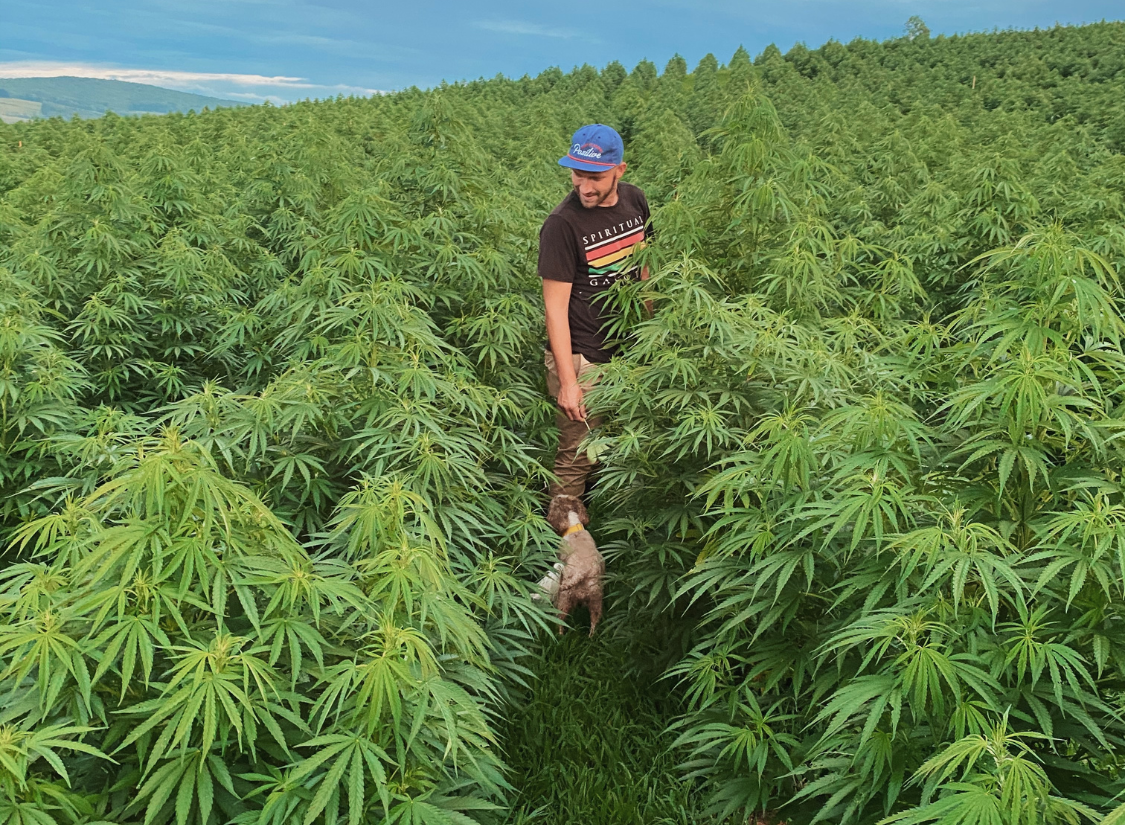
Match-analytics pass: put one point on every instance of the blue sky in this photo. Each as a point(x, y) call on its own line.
point(291, 49)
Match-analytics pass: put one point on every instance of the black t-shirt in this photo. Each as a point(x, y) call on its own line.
point(592, 249)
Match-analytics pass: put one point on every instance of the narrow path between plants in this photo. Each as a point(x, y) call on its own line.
point(588, 745)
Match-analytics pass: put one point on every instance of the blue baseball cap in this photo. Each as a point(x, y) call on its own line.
point(594, 148)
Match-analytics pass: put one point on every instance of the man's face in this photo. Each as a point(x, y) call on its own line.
point(594, 188)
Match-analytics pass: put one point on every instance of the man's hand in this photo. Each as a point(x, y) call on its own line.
point(648, 303)
point(570, 399)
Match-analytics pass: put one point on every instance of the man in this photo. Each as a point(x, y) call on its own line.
point(585, 247)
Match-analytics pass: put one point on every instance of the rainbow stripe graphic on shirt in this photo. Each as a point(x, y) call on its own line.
point(608, 255)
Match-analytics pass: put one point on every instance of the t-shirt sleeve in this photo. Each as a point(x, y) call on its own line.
point(558, 258)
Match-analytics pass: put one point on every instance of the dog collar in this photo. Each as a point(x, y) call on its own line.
point(573, 529)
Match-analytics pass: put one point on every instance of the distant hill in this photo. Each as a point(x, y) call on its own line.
point(88, 98)
point(15, 110)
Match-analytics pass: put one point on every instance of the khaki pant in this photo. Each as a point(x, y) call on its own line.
point(572, 465)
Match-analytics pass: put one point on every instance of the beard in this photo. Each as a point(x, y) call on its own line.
point(600, 199)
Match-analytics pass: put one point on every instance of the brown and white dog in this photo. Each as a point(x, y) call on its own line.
point(577, 578)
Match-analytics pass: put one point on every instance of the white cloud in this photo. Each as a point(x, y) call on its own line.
point(245, 96)
point(219, 84)
point(525, 28)
point(254, 97)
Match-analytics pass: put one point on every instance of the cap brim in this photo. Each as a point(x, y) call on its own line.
point(584, 165)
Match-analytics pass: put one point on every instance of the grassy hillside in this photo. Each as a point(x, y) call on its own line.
point(274, 441)
point(89, 97)
point(14, 110)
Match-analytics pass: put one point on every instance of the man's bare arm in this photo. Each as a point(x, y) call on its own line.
point(648, 303)
point(556, 301)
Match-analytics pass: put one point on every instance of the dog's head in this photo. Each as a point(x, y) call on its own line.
point(558, 514)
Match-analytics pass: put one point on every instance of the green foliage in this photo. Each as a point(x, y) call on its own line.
point(273, 439)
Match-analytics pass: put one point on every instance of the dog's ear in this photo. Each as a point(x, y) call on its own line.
point(556, 513)
point(580, 508)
